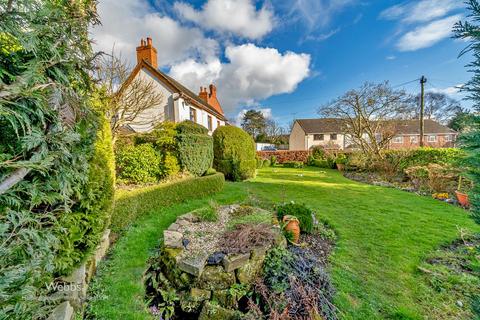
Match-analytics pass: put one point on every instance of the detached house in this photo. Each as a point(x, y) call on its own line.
point(179, 103)
point(328, 133)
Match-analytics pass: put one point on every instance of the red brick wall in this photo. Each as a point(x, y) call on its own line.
point(440, 143)
point(285, 155)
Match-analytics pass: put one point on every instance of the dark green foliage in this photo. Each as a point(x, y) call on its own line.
point(293, 164)
point(470, 141)
point(82, 228)
point(132, 204)
point(138, 164)
point(325, 164)
point(190, 127)
point(301, 212)
point(194, 148)
point(318, 152)
point(276, 269)
point(234, 153)
point(48, 128)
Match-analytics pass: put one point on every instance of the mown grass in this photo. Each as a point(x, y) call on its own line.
point(384, 235)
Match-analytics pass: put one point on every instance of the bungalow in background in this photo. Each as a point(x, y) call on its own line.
point(327, 132)
point(179, 103)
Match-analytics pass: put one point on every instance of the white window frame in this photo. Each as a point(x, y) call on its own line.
point(397, 139)
point(448, 138)
point(430, 136)
point(413, 139)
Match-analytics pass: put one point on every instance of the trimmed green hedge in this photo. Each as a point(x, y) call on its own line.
point(194, 148)
point(293, 164)
point(424, 156)
point(138, 163)
point(234, 153)
point(131, 204)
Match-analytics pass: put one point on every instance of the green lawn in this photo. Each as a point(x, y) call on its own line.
point(383, 236)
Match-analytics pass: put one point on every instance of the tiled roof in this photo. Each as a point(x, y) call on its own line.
point(175, 86)
point(332, 125)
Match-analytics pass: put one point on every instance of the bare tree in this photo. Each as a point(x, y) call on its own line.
point(130, 98)
point(438, 106)
point(274, 132)
point(367, 115)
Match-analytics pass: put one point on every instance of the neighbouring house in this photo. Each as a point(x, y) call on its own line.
point(328, 133)
point(179, 102)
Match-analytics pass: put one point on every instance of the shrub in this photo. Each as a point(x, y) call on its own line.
point(132, 204)
point(208, 213)
point(341, 159)
point(424, 156)
point(266, 163)
point(210, 171)
point(318, 152)
point(169, 165)
point(322, 164)
point(433, 178)
point(234, 153)
point(138, 164)
point(195, 150)
point(259, 163)
point(273, 161)
point(190, 127)
point(303, 214)
point(82, 229)
point(277, 269)
point(293, 164)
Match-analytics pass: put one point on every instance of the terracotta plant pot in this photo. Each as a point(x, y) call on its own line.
point(293, 226)
point(462, 199)
point(340, 166)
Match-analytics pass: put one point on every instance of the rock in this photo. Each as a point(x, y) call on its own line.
point(75, 288)
point(280, 240)
point(172, 239)
point(193, 264)
point(211, 311)
point(224, 299)
point(232, 262)
point(216, 258)
point(192, 301)
point(247, 273)
point(185, 243)
point(183, 223)
point(63, 311)
point(215, 278)
point(259, 252)
point(200, 294)
point(189, 217)
point(174, 227)
point(102, 247)
point(460, 303)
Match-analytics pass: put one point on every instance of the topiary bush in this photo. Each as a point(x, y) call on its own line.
point(138, 164)
point(259, 163)
point(234, 153)
point(301, 212)
point(194, 148)
point(266, 163)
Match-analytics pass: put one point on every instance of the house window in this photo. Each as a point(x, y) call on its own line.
point(431, 138)
point(333, 136)
point(318, 137)
point(398, 139)
point(210, 125)
point(193, 115)
point(448, 138)
point(413, 139)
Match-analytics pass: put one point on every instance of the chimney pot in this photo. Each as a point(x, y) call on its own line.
point(146, 51)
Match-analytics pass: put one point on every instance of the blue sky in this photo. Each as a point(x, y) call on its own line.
point(289, 57)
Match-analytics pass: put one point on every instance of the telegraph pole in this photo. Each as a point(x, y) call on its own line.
point(423, 80)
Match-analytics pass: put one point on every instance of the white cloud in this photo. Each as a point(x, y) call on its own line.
point(391, 57)
point(427, 35)
point(266, 112)
point(125, 22)
point(252, 73)
point(316, 13)
point(239, 17)
point(420, 11)
point(453, 91)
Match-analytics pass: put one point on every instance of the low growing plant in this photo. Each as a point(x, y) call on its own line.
point(293, 164)
point(273, 161)
point(303, 214)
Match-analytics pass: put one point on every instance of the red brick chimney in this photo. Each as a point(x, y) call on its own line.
point(146, 51)
point(203, 94)
point(212, 99)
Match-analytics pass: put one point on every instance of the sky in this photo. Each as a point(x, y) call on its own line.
point(287, 58)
